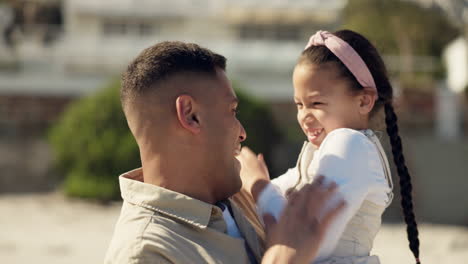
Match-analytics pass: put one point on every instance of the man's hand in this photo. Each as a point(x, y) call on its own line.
point(297, 235)
point(254, 172)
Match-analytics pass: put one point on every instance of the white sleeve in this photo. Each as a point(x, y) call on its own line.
point(287, 180)
point(272, 198)
point(350, 159)
point(271, 201)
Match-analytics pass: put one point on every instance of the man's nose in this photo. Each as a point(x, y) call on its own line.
point(243, 134)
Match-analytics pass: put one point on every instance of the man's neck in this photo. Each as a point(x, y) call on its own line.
point(184, 181)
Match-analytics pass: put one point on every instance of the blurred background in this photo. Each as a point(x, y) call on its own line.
point(64, 140)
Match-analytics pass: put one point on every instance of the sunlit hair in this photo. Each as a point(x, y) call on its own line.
point(164, 60)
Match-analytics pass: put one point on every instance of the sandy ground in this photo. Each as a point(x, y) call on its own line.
point(48, 228)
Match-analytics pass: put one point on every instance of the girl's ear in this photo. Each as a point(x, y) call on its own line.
point(187, 113)
point(367, 100)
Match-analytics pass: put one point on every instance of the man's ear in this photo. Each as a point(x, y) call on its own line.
point(367, 100)
point(187, 113)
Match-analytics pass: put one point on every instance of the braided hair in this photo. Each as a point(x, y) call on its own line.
point(319, 55)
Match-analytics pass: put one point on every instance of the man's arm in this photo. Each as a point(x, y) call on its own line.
point(128, 254)
point(153, 259)
point(146, 258)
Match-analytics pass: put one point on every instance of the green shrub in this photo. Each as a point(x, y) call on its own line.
point(93, 145)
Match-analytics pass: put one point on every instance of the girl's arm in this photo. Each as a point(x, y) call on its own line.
point(287, 180)
point(350, 159)
point(271, 199)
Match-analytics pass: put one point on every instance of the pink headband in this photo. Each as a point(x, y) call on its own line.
point(346, 54)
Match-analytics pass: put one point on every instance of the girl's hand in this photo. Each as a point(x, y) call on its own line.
point(254, 172)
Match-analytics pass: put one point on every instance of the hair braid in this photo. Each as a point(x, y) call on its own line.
point(405, 180)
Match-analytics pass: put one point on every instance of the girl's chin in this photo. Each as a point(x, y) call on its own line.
point(316, 140)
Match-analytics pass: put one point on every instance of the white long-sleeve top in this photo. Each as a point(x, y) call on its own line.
point(354, 160)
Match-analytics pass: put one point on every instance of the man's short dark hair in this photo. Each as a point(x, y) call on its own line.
point(163, 61)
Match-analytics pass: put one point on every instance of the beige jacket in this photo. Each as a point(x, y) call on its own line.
point(157, 225)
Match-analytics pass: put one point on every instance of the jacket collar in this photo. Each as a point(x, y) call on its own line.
point(166, 202)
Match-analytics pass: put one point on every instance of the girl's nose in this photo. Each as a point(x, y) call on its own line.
point(307, 117)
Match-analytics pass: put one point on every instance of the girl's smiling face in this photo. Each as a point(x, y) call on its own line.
point(325, 101)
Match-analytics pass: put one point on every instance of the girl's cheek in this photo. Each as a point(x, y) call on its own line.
point(300, 116)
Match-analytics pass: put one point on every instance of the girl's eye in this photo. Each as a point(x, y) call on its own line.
point(317, 103)
point(298, 104)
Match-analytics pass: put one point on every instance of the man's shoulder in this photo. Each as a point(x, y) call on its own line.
point(137, 256)
point(141, 235)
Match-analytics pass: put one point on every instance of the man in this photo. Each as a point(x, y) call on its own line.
point(181, 109)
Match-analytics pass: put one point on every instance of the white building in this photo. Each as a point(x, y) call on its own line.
point(261, 39)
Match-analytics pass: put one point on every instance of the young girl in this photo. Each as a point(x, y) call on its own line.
point(340, 83)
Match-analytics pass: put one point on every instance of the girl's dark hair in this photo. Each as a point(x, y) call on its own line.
point(319, 55)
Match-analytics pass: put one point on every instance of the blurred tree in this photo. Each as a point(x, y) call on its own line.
point(257, 119)
point(93, 145)
point(399, 27)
